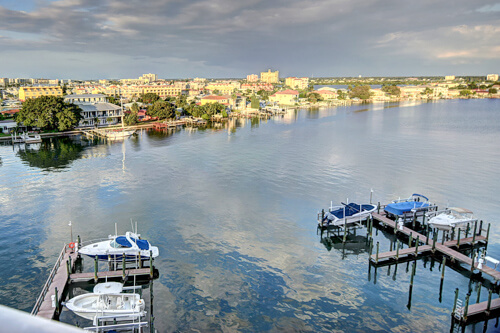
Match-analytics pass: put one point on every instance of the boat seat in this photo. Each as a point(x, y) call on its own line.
point(492, 260)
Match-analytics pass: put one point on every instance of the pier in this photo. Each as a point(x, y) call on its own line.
point(50, 301)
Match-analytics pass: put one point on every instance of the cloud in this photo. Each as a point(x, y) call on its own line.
point(320, 37)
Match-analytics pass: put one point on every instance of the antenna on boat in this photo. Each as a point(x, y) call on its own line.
point(331, 205)
point(136, 229)
point(116, 230)
point(371, 194)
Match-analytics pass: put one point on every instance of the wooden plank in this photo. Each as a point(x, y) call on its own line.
point(480, 308)
point(467, 240)
point(405, 230)
point(60, 282)
point(402, 252)
point(110, 274)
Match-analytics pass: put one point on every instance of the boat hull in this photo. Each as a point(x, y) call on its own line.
point(123, 306)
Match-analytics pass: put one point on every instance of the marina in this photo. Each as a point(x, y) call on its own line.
point(232, 212)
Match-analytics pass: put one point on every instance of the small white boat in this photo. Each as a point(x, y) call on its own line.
point(118, 134)
point(451, 217)
point(115, 247)
point(91, 305)
point(347, 213)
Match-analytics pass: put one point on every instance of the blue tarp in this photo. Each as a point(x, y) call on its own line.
point(350, 210)
point(400, 208)
point(141, 243)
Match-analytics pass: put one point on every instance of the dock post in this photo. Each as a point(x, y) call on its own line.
point(455, 302)
point(124, 265)
point(466, 307)
point(378, 208)
point(322, 215)
point(458, 238)
point(488, 305)
point(452, 233)
point(397, 250)
point(480, 227)
point(434, 236)
point(376, 255)
point(442, 240)
point(443, 266)
point(345, 231)
point(472, 266)
point(474, 235)
point(151, 264)
point(370, 246)
point(70, 266)
point(467, 231)
point(488, 231)
point(414, 220)
point(416, 245)
point(96, 268)
point(410, 240)
point(57, 300)
point(67, 267)
point(79, 242)
point(413, 268)
point(426, 234)
point(423, 219)
point(478, 292)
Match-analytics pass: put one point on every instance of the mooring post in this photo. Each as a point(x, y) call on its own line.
point(434, 236)
point(322, 215)
point(378, 208)
point(140, 260)
point(345, 231)
point(472, 266)
point(426, 234)
point(413, 268)
point(442, 240)
point(474, 235)
point(452, 233)
point(455, 302)
point(478, 292)
point(488, 305)
point(79, 242)
point(488, 232)
point(480, 227)
point(67, 267)
point(423, 219)
point(414, 220)
point(458, 238)
point(124, 265)
point(443, 266)
point(151, 264)
point(416, 245)
point(96, 268)
point(397, 250)
point(467, 231)
point(410, 240)
point(70, 265)
point(376, 255)
point(370, 246)
point(466, 307)
point(57, 300)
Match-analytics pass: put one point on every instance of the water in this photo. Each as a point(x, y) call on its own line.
point(233, 211)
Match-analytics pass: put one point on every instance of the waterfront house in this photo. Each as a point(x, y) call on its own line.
point(286, 97)
point(96, 111)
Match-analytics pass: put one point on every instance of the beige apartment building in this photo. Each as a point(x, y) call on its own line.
point(492, 77)
point(286, 97)
point(34, 92)
point(270, 77)
point(297, 82)
point(252, 78)
point(163, 90)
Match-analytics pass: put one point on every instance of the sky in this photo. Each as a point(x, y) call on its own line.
point(90, 39)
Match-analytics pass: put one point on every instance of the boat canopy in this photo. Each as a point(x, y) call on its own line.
point(403, 207)
point(350, 210)
point(420, 195)
point(141, 243)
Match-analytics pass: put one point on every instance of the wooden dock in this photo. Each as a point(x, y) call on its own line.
point(445, 248)
point(479, 312)
point(61, 277)
point(58, 278)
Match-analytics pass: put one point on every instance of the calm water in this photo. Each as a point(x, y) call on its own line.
point(233, 211)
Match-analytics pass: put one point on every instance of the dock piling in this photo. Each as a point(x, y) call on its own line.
point(410, 240)
point(151, 264)
point(488, 305)
point(416, 245)
point(474, 235)
point(458, 238)
point(96, 268)
point(443, 266)
point(57, 300)
point(434, 236)
point(123, 267)
point(376, 256)
point(397, 250)
point(466, 307)
point(467, 231)
point(478, 292)
point(455, 302)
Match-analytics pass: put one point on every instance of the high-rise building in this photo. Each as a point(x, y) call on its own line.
point(297, 82)
point(34, 92)
point(252, 78)
point(492, 77)
point(269, 77)
point(449, 77)
point(148, 77)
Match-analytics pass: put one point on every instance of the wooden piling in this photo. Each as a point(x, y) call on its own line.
point(458, 239)
point(413, 268)
point(416, 245)
point(397, 250)
point(474, 235)
point(478, 292)
point(467, 231)
point(488, 305)
point(57, 300)
point(488, 232)
point(410, 240)
point(443, 268)
point(123, 267)
point(466, 307)
point(455, 302)
point(434, 236)
point(96, 268)
point(426, 234)
point(151, 264)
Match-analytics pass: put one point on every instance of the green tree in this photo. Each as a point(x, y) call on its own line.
point(427, 91)
point(361, 92)
point(341, 94)
point(135, 107)
point(149, 98)
point(392, 90)
point(161, 109)
point(49, 113)
point(465, 92)
point(254, 102)
point(314, 97)
point(131, 118)
point(114, 100)
point(492, 91)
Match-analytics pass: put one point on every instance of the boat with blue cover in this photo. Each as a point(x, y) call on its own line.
point(347, 213)
point(416, 204)
point(130, 245)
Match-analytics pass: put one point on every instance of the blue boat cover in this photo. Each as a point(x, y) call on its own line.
point(350, 210)
point(141, 243)
point(400, 208)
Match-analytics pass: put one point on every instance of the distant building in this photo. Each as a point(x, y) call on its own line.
point(492, 77)
point(147, 78)
point(34, 92)
point(449, 77)
point(286, 97)
point(163, 90)
point(299, 83)
point(252, 78)
point(215, 99)
point(4, 81)
point(269, 77)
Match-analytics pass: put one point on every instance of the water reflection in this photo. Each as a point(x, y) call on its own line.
point(52, 154)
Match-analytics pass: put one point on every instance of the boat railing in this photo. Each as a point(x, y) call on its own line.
point(425, 209)
point(94, 241)
point(45, 288)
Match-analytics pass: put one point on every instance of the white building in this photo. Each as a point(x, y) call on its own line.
point(492, 77)
point(96, 110)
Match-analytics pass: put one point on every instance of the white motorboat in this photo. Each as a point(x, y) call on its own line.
point(451, 217)
point(118, 134)
point(347, 213)
point(130, 245)
point(92, 305)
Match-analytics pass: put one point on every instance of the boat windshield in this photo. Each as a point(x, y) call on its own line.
point(116, 245)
